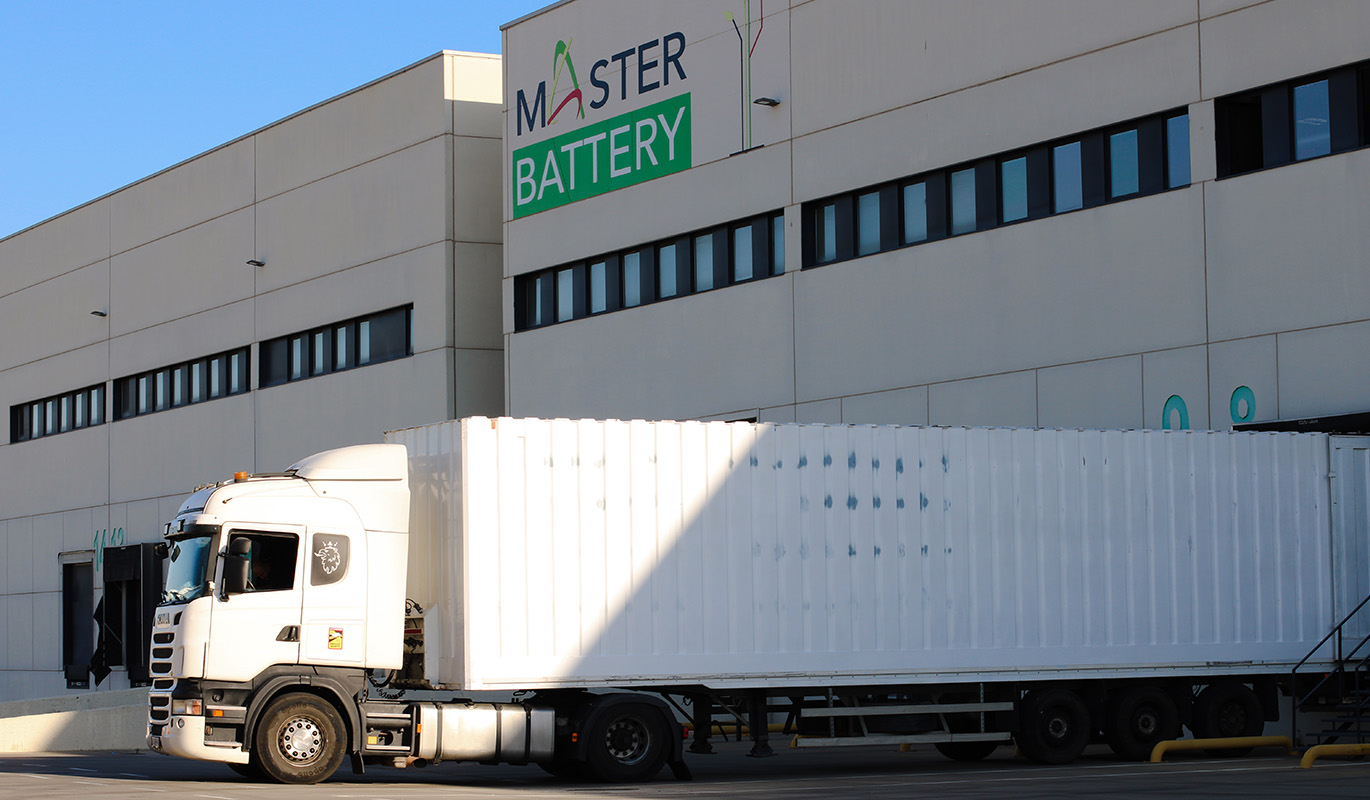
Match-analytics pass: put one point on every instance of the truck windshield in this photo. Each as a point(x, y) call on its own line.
point(187, 568)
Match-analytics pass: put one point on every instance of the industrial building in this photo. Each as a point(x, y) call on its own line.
point(1051, 213)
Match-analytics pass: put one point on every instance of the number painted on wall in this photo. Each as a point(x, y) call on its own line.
point(1176, 409)
point(1243, 404)
point(106, 538)
point(1175, 414)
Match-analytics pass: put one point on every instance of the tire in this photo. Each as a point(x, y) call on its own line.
point(1053, 726)
point(966, 751)
point(300, 739)
point(1138, 718)
point(627, 743)
point(1227, 709)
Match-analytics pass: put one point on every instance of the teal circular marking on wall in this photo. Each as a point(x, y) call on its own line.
point(1175, 403)
point(1243, 394)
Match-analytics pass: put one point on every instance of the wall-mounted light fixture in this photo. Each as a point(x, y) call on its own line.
point(98, 313)
point(769, 102)
point(256, 263)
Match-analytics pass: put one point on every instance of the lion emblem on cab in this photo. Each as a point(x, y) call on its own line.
point(330, 558)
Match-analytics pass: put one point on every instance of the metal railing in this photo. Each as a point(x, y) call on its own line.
point(1358, 724)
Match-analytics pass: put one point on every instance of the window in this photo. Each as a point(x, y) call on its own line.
point(207, 378)
point(1143, 157)
point(273, 559)
point(1177, 151)
point(1122, 164)
point(565, 295)
point(704, 262)
point(1013, 203)
point(70, 411)
point(632, 279)
point(1299, 119)
point(868, 223)
point(742, 253)
point(915, 213)
point(963, 201)
point(1312, 130)
point(689, 263)
point(777, 244)
point(666, 271)
point(599, 288)
point(372, 339)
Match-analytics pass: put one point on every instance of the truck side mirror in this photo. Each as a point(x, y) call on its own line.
point(236, 566)
point(160, 550)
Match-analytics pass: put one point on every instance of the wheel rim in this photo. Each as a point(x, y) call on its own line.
point(1058, 727)
point(301, 740)
point(1231, 719)
point(1146, 723)
point(627, 740)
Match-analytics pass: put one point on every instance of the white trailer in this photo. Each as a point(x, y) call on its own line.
point(963, 587)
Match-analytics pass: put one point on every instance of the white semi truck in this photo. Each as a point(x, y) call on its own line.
point(868, 585)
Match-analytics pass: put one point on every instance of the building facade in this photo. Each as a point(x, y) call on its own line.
point(985, 213)
point(303, 287)
point(1048, 213)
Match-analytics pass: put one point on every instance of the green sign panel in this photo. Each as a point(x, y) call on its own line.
point(603, 156)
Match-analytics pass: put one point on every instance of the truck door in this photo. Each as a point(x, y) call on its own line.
point(249, 632)
point(335, 594)
point(1351, 530)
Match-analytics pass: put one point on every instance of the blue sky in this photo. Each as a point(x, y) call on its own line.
point(95, 95)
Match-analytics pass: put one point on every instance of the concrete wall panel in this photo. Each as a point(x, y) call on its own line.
point(476, 168)
point(953, 46)
point(74, 369)
point(1245, 362)
point(418, 276)
point(53, 317)
point(898, 407)
point(360, 126)
point(47, 543)
point(998, 400)
point(1005, 300)
point(19, 577)
point(477, 296)
point(78, 238)
point(1324, 370)
point(478, 383)
point(298, 419)
point(829, 411)
point(197, 444)
point(21, 628)
point(192, 270)
point(47, 618)
point(1094, 394)
point(79, 526)
point(1150, 76)
point(82, 457)
point(212, 331)
point(1182, 373)
point(203, 188)
point(1255, 46)
point(704, 354)
point(379, 209)
point(1277, 265)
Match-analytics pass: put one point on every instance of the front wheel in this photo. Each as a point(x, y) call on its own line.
point(300, 739)
point(627, 743)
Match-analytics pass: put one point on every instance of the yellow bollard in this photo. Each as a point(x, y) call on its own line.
point(1231, 742)
point(1314, 753)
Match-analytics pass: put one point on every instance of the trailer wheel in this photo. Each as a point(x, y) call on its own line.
point(1227, 709)
point(966, 751)
point(627, 743)
point(300, 739)
point(1053, 726)
point(1138, 718)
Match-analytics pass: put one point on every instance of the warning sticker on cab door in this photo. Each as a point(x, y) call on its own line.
point(335, 638)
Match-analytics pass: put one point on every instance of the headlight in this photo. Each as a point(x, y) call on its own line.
point(187, 708)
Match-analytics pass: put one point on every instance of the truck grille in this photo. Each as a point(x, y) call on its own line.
point(159, 696)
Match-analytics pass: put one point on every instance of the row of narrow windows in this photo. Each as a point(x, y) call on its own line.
point(1295, 120)
point(358, 342)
